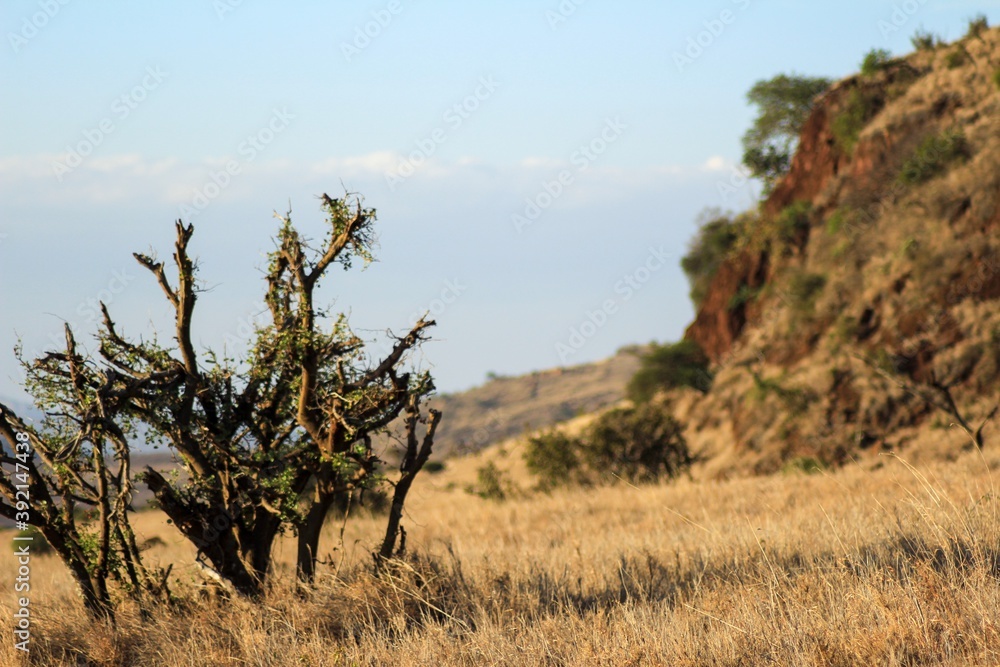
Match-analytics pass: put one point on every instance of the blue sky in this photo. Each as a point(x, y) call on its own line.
point(537, 167)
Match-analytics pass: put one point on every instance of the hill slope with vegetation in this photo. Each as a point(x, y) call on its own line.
point(857, 309)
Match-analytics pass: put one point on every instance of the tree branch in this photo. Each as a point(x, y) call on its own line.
point(156, 268)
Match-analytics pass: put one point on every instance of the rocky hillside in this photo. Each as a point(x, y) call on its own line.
point(861, 303)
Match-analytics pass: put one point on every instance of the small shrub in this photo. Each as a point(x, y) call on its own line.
point(925, 41)
point(875, 61)
point(793, 221)
point(681, 364)
point(977, 26)
point(836, 222)
point(955, 58)
point(716, 236)
point(491, 483)
point(803, 289)
point(553, 457)
point(996, 79)
point(640, 444)
point(861, 107)
point(933, 156)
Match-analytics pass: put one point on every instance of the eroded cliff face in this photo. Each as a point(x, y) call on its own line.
point(819, 157)
point(718, 323)
point(892, 288)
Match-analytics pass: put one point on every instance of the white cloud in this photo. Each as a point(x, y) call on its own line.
point(34, 166)
point(716, 163)
point(130, 179)
point(375, 162)
point(541, 163)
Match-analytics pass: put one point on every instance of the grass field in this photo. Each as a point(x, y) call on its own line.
point(882, 564)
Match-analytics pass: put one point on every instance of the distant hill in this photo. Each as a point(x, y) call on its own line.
point(506, 406)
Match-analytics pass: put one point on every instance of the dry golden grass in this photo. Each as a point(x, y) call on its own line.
point(892, 566)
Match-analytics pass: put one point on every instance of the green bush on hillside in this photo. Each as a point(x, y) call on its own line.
point(956, 58)
point(925, 41)
point(875, 61)
point(836, 222)
point(716, 236)
point(933, 157)
point(681, 364)
point(861, 107)
point(793, 221)
point(803, 290)
point(977, 26)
